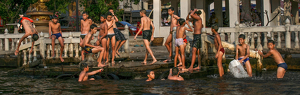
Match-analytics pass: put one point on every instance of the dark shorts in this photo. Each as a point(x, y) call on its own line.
point(283, 65)
point(88, 49)
point(222, 50)
point(57, 35)
point(110, 36)
point(147, 34)
point(197, 41)
point(82, 36)
point(247, 59)
point(119, 35)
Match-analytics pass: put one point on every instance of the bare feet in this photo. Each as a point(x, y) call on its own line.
point(16, 52)
point(117, 52)
point(101, 65)
point(113, 63)
point(144, 62)
point(167, 60)
point(153, 61)
point(61, 59)
point(180, 64)
point(197, 68)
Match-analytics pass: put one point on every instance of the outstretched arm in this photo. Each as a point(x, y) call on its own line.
point(264, 56)
point(190, 28)
point(94, 72)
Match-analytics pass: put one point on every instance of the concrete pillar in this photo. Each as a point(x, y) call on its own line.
point(145, 4)
point(234, 16)
point(199, 4)
point(246, 5)
point(294, 10)
point(218, 10)
point(266, 7)
point(184, 8)
point(156, 17)
point(227, 8)
point(174, 4)
point(274, 6)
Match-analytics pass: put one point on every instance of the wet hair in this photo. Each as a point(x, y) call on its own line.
point(108, 13)
point(175, 71)
point(215, 27)
point(181, 21)
point(85, 13)
point(103, 16)
point(242, 36)
point(93, 26)
point(198, 12)
point(148, 72)
point(35, 37)
point(143, 11)
point(172, 8)
point(110, 9)
point(83, 65)
point(55, 17)
point(271, 41)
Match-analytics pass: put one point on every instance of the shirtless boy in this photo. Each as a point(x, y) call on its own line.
point(86, 45)
point(282, 66)
point(83, 76)
point(120, 38)
point(197, 44)
point(54, 27)
point(110, 37)
point(150, 75)
point(219, 48)
point(179, 43)
point(102, 38)
point(242, 54)
point(85, 24)
point(147, 35)
point(27, 23)
point(174, 74)
point(173, 25)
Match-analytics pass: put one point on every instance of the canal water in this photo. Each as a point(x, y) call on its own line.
point(211, 84)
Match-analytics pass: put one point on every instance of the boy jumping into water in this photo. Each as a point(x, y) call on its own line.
point(150, 75)
point(173, 25)
point(219, 48)
point(85, 24)
point(83, 76)
point(54, 27)
point(86, 45)
point(242, 54)
point(197, 44)
point(102, 38)
point(147, 35)
point(282, 66)
point(179, 42)
point(27, 23)
point(174, 74)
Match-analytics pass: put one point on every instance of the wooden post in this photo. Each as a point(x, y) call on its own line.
point(265, 40)
point(296, 39)
point(287, 34)
point(6, 43)
point(278, 40)
point(252, 41)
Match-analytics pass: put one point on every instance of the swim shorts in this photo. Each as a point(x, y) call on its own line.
point(147, 34)
point(57, 35)
point(197, 41)
point(179, 42)
point(247, 59)
point(82, 36)
point(88, 49)
point(119, 35)
point(222, 50)
point(283, 65)
point(110, 36)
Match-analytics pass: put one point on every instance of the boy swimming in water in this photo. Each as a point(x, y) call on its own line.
point(242, 54)
point(174, 74)
point(83, 76)
point(282, 66)
point(150, 75)
point(219, 47)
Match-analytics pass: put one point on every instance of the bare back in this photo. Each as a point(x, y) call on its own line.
point(277, 56)
point(180, 32)
point(87, 39)
point(242, 49)
point(85, 25)
point(218, 41)
point(28, 27)
point(146, 23)
point(55, 28)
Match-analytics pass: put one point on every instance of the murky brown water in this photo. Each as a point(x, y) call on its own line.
point(208, 85)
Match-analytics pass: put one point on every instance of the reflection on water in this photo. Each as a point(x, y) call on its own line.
point(208, 85)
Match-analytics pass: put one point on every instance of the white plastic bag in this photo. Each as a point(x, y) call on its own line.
point(237, 70)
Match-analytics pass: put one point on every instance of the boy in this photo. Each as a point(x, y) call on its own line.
point(219, 48)
point(27, 23)
point(102, 35)
point(282, 66)
point(242, 54)
point(173, 25)
point(83, 76)
point(110, 37)
point(174, 74)
point(85, 24)
point(86, 45)
point(150, 75)
point(54, 27)
point(120, 38)
point(147, 35)
point(179, 43)
point(197, 44)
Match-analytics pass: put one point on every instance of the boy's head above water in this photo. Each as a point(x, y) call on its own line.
point(242, 39)
point(214, 27)
point(84, 67)
point(271, 44)
point(150, 74)
point(175, 71)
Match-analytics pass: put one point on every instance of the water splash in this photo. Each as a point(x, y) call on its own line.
point(237, 70)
